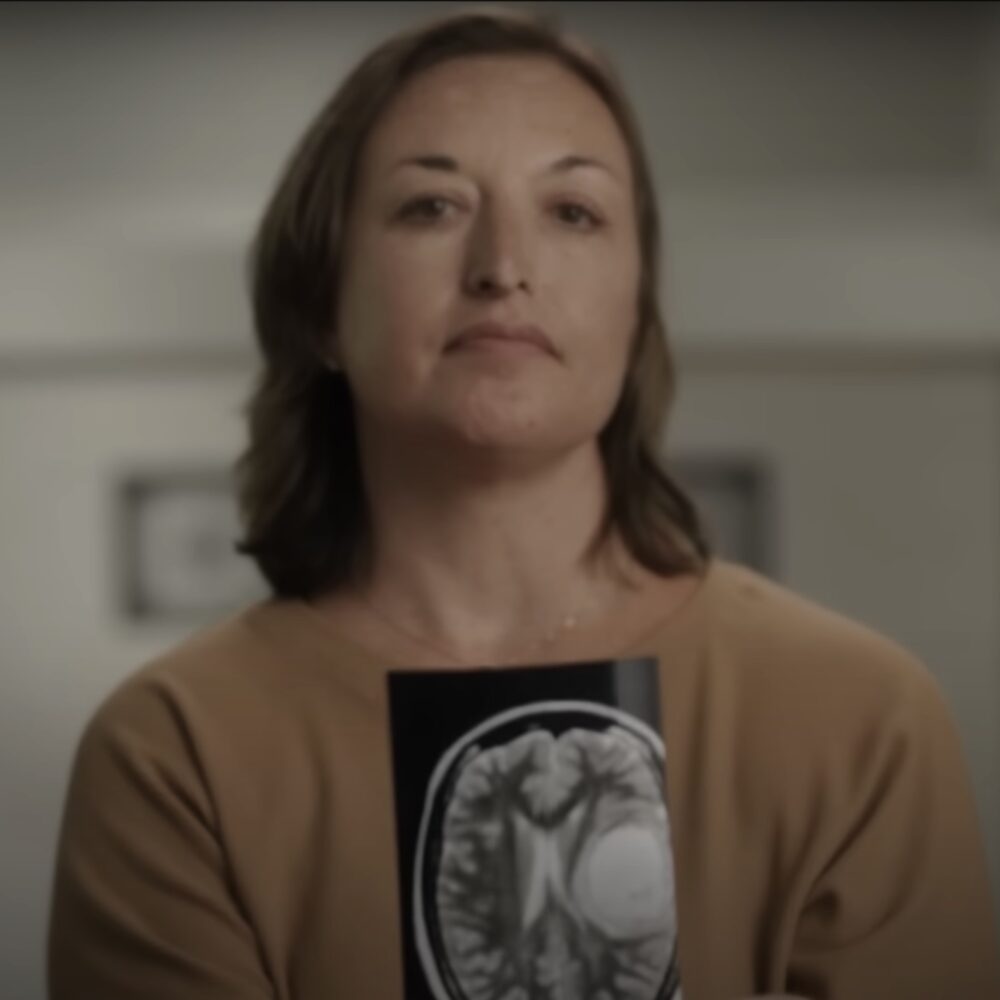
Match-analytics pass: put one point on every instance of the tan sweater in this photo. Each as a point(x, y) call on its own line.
point(228, 832)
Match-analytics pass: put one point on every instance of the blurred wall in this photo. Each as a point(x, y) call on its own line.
point(830, 176)
point(993, 89)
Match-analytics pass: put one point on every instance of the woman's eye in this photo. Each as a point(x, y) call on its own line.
point(577, 215)
point(426, 209)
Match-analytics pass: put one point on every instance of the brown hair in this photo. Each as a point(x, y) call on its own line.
point(299, 481)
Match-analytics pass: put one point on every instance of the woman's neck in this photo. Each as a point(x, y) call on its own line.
point(485, 563)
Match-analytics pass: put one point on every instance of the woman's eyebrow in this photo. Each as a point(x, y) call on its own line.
point(430, 161)
point(575, 160)
point(448, 164)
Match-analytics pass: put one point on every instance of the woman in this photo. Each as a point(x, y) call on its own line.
point(453, 464)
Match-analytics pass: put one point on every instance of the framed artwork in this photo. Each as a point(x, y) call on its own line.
point(178, 531)
point(735, 496)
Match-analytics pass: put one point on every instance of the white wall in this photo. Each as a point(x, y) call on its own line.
point(992, 131)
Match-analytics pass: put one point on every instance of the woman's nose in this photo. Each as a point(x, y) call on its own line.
point(497, 262)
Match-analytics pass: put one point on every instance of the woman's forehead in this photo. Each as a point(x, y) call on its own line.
point(467, 104)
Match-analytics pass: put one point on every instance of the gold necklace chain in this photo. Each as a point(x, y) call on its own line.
point(568, 623)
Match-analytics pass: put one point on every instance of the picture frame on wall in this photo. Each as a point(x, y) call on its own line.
point(736, 497)
point(178, 529)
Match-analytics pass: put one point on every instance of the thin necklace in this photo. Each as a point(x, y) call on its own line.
point(567, 624)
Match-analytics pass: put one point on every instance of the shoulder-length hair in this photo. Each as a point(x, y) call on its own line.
point(299, 481)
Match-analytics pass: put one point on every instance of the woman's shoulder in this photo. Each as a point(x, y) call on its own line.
point(785, 643)
point(818, 698)
point(242, 667)
point(221, 651)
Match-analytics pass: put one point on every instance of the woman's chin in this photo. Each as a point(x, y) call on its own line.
point(488, 422)
point(516, 444)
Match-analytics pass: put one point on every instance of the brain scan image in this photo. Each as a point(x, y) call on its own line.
point(543, 868)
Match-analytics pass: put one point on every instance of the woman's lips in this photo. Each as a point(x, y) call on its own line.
point(499, 336)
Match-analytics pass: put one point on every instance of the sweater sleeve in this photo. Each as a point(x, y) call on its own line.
point(142, 904)
point(902, 907)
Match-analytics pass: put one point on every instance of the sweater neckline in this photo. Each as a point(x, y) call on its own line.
point(295, 626)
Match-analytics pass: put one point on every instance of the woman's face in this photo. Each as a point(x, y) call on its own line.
point(494, 189)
